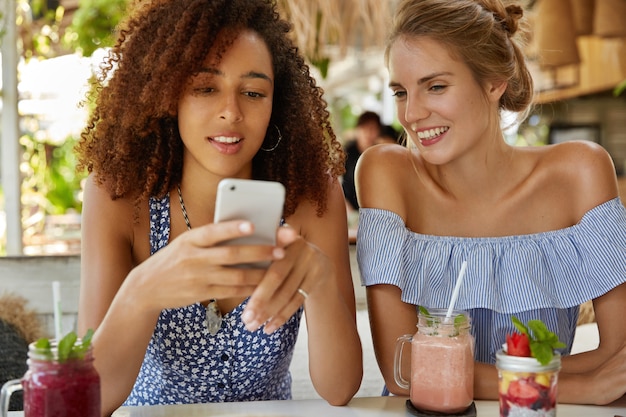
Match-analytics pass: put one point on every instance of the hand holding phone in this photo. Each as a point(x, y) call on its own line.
point(260, 202)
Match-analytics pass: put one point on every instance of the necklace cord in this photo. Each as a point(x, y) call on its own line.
point(214, 315)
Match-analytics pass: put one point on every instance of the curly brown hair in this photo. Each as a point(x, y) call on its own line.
point(132, 143)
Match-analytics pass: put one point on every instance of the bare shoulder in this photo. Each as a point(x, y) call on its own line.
point(380, 173)
point(380, 158)
point(307, 219)
point(327, 231)
point(107, 217)
point(584, 167)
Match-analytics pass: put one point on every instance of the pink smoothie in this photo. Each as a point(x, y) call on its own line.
point(442, 374)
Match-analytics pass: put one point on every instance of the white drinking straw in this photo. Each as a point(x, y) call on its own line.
point(455, 294)
point(56, 297)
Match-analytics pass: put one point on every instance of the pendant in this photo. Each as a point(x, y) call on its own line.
point(213, 317)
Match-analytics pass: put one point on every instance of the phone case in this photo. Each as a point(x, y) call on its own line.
point(260, 202)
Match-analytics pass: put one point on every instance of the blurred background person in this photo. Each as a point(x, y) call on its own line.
point(388, 134)
point(366, 131)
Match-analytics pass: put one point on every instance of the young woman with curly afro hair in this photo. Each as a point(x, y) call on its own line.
point(192, 92)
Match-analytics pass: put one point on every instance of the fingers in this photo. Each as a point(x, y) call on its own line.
point(214, 235)
point(297, 299)
point(286, 235)
point(283, 289)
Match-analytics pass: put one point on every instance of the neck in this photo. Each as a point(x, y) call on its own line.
point(484, 175)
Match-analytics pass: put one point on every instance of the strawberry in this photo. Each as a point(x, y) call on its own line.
point(523, 393)
point(518, 345)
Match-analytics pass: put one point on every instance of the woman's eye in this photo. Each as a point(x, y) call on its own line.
point(254, 94)
point(203, 90)
point(438, 87)
point(398, 94)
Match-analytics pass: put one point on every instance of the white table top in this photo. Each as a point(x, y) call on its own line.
point(358, 407)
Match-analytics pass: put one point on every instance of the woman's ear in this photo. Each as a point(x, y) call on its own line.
point(495, 89)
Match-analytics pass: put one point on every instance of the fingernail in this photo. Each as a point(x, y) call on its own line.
point(269, 328)
point(247, 317)
point(279, 253)
point(245, 227)
point(252, 327)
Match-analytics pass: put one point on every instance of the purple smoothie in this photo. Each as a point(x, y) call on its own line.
point(67, 389)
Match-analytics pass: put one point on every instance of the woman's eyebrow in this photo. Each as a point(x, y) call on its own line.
point(249, 74)
point(254, 74)
point(425, 79)
point(429, 77)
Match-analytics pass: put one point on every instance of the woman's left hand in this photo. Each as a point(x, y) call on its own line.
point(288, 282)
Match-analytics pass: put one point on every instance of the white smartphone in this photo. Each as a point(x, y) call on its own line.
point(260, 202)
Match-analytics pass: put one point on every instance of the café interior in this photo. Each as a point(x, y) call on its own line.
point(578, 63)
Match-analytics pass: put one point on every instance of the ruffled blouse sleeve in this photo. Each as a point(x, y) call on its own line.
point(556, 269)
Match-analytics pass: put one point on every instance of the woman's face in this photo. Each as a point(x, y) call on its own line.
point(225, 109)
point(440, 104)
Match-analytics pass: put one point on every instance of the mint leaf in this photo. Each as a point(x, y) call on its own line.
point(540, 331)
point(78, 351)
point(542, 340)
point(520, 326)
point(423, 311)
point(65, 346)
point(43, 344)
point(542, 352)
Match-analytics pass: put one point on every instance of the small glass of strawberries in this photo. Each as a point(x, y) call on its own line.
point(528, 368)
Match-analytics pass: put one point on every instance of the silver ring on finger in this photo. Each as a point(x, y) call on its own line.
point(303, 293)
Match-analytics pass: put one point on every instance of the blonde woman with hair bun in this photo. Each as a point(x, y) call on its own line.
point(542, 228)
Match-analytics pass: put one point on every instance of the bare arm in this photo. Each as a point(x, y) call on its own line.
point(597, 376)
point(317, 260)
point(390, 318)
point(122, 302)
point(335, 353)
point(106, 260)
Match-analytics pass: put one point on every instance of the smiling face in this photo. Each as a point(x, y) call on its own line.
point(225, 110)
point(441, 106)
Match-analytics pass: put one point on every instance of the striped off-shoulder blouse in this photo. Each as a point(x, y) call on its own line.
point(542, 276)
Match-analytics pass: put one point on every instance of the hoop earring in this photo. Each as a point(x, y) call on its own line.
point(280, 137)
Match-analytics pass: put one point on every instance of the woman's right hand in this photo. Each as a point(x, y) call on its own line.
point(123, 288)
point(195, 267)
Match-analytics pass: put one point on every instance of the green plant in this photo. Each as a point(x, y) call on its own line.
point(620, 88)
point(93, 24)
point(51, 183)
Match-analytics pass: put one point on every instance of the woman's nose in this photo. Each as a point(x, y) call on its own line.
point(231, 110)
point(415, 110)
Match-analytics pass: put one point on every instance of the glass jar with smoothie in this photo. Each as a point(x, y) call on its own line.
point(442, 362)
point(57, 385)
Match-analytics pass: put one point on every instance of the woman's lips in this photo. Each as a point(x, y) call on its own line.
point(431, 136)
point(227, 144)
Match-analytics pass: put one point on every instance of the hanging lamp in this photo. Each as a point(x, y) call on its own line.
point(582, 13)
point(555, 34)
point(609, 18)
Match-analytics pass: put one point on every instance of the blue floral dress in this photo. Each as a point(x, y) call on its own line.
point(184, 363)
point(542, 276)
